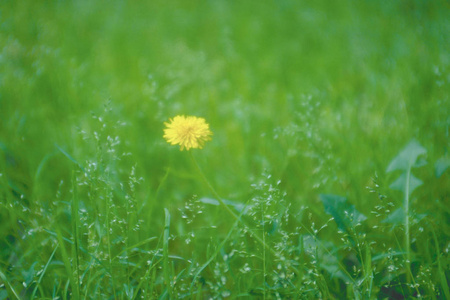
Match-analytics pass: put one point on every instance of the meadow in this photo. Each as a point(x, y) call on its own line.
point(326, 177)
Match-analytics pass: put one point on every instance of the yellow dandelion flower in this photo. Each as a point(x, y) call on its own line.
point(188, 132)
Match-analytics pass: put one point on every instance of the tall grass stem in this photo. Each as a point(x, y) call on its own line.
point(167, 280)
point(75, 226)
point(407, 241)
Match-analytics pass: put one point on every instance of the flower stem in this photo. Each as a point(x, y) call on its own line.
point(227, 208)
point(409, 275)
point(407, 242)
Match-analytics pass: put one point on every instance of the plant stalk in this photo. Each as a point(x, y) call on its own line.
point(407, 241)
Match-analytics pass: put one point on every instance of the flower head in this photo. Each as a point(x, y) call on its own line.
point(188, 132)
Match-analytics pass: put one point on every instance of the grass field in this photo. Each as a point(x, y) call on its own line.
point(326, 177)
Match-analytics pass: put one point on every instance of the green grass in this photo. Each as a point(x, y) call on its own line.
point(331, 137)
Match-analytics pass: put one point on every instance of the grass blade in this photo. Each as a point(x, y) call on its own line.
point(8, 285)
point(442, 278)
point(68, 267)
point(43, 272)
point(166, 253)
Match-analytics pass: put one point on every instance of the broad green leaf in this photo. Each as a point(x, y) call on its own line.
point(328, 262)
point(441, 165)
point(397, 217)
point(238, 206)
point(345, 214)
point(407, 157)
point(420, 162)
point(3, 295)
point(331, 264)
point(400, 183)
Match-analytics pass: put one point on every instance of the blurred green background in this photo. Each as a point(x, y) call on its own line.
point(319, 94)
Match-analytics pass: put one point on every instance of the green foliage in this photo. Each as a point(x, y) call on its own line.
point(344, 214)
point(441, 166)
point(407, 158)
point(307, 100)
